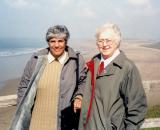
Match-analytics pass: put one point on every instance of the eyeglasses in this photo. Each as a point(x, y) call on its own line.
point(100, 42)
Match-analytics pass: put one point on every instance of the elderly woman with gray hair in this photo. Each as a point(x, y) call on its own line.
point(53, 78)
point(114, 98)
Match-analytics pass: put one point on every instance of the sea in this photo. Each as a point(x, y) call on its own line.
point(15, 47)
point(13, 55)
point(15, 52)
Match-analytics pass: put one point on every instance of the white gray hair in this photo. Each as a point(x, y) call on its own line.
point(112, 29)
point(58, 31)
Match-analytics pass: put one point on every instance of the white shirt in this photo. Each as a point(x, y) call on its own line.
point(61, 59)
point(110, 59)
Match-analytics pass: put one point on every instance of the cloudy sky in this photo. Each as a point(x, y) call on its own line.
point(139, 19)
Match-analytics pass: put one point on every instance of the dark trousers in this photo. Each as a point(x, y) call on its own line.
point(69, 119)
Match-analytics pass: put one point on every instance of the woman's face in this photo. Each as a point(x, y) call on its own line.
point(106, 44)
point(57, 46)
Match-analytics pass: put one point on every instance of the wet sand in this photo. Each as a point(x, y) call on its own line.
point(7, 113)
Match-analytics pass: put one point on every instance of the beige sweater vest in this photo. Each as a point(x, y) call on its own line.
point(44, 114)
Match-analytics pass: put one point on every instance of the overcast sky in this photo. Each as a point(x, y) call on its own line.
point(139, 19)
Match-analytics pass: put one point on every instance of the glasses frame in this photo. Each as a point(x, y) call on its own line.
point(101, 42)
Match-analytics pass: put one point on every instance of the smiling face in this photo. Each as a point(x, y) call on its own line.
point(57, 46)
point(106, 44)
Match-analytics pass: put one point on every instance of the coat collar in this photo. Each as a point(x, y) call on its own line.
point(118, 62)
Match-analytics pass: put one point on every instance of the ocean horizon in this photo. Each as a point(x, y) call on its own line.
point(22, 46)
point(14, 54)
point(15, 47)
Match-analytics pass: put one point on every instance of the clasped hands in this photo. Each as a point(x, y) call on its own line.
point(77, 103)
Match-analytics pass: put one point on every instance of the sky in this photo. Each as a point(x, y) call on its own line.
point(137, 19)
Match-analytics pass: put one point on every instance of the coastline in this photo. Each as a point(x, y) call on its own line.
point(9, 87)
point(6, 113)
point(12, 67)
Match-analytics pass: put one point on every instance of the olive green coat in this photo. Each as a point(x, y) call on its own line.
point(119, 100)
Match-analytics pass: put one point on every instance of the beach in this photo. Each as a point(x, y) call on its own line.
point(6, 113)
point(146, 59)
point(11, 68)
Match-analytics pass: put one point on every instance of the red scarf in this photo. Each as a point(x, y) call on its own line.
point(90, 65)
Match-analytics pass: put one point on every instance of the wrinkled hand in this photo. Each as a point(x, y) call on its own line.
point(77, 103)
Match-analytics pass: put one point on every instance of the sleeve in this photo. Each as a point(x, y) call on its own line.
point(82, 76)
point(134, 100)
point(25, 79)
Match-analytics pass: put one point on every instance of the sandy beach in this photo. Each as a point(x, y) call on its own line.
point(6, 113)
point(146, 59)
point(10, 87)
point(11, 69)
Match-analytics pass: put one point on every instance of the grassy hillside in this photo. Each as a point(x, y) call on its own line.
point(153, 112)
